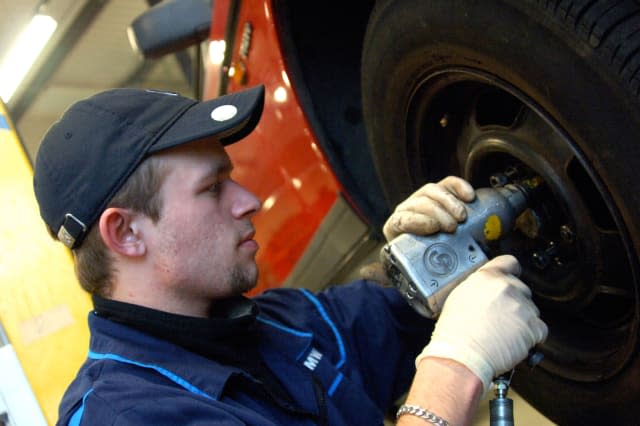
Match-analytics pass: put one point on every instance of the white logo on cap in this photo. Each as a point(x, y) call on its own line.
point(162, 92)
point(224, 113)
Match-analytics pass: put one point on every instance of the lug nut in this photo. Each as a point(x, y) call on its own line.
point(542, 258)
point(498, 180)
point(529, 223)
point(566, 233)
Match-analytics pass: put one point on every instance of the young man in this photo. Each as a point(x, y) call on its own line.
point(138, 184)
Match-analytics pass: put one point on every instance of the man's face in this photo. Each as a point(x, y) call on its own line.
point(202, 247)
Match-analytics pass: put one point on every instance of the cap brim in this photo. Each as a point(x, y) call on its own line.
point(198, 123)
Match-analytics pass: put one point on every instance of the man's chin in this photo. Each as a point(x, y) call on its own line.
point(245, 281)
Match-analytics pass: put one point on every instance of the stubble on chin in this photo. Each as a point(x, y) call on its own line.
point(242, 281)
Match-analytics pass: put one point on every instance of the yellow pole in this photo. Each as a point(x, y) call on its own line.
point(42, 307)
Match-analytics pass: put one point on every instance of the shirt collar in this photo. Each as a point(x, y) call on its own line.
point(229, 329)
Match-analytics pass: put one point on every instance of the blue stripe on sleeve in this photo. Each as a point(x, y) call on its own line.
point(168, 374)
point(325, 316)
point(77, 416)
point(284, 328)
point(335, 384)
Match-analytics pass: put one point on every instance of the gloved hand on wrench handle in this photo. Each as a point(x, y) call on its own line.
point(432, 208)
point(488, 323)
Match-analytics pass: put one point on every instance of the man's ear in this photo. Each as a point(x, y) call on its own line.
point(120, 231)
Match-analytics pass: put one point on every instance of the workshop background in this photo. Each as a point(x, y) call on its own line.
point(87, 52)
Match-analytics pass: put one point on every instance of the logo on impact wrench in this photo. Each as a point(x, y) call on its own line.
point(440, 259)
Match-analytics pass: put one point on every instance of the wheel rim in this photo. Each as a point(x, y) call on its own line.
point(575, 251)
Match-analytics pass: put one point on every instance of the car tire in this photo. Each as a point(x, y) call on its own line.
point(504, 90)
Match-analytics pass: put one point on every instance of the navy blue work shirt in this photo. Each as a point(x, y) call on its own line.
point(343, 355)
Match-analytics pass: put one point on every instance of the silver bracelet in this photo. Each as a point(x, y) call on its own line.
point(427, 415)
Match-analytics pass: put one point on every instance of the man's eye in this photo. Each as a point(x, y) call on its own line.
point(215, 188)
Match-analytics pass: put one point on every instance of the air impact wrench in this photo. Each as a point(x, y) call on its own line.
point(425, 269)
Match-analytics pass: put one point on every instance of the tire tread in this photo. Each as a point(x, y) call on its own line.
point(592, 19)
point(610, 28)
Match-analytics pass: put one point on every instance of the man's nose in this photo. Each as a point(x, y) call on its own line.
point(245, 202)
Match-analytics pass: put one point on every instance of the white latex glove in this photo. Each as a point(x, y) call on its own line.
point(432, 208)
point(489, 322)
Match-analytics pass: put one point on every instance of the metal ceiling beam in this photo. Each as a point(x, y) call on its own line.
point(74, 32)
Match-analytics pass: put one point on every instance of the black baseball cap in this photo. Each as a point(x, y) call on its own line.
point(86, 157)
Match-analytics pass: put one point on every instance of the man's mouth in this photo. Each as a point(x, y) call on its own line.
point(248, 241)
point(248, 236)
